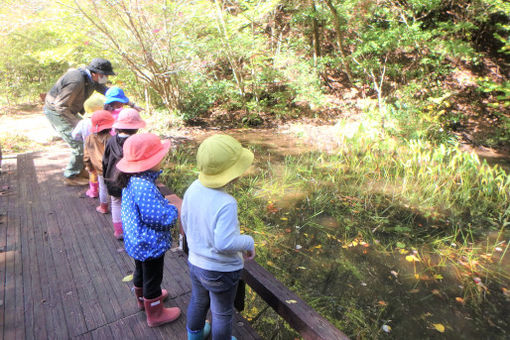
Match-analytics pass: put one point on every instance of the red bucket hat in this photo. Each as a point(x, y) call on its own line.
point(142, 152)
point(101, 120)
point(129, 119)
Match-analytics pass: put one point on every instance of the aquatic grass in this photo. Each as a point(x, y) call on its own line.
point(396, 197)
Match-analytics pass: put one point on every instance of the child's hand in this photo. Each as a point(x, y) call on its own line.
point(249, 255)
point(175, 200)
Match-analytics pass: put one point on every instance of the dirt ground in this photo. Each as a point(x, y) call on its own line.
point(29, 121)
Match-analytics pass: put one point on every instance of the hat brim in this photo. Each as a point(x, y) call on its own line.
point(146, 164)
point(99, 128)
point(96, 70)
point(123, 100)
point(135, 125)
point(236, 170)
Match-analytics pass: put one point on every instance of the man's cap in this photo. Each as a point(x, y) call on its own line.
point(100, 65)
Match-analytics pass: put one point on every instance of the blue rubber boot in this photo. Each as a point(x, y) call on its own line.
point(203, 334)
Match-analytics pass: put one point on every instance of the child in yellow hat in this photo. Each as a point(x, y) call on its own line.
point(216, 246)
point(83, 129)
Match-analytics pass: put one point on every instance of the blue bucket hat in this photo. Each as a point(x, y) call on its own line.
point(115, 94)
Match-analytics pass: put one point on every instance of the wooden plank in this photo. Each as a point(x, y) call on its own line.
point(34, 277)
point(110, 273)
point(19, 322)
point(102, 333)
point(52, 304)
point(298, 314)
point(67, 291)
point(6, 191)
point(84, 260)
point(9, 285)
point(121, 330)
point(31, 277)
point(8, 199)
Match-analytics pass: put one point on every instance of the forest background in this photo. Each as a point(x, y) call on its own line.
point(419, 78)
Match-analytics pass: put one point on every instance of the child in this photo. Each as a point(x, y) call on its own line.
point(216, 247)
point(115, 101)
point(82, 130)
point(102, 122)
point(147, 217)
point(127, 124)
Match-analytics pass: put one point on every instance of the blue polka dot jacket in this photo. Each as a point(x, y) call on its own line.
point(146, 217)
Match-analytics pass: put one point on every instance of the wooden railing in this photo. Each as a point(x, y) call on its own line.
point(300, 316)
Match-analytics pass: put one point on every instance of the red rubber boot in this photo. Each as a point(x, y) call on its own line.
point(139, 296)
point(157, 314)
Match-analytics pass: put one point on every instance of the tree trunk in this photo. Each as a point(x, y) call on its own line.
point(339, 36)
point(316, 37)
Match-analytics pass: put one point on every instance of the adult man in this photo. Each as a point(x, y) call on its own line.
point(63, 103)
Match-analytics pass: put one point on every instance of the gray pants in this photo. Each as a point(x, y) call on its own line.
point(64, 126)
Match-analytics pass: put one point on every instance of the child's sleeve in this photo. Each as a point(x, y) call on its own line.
point(76, 133)
point(106, 158)
point(155, 211)
point(227, 237)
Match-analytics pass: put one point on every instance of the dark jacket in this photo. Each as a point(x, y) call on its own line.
point(112, 155)
point(67, 96)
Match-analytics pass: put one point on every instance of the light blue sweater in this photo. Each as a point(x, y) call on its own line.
point(209, 220)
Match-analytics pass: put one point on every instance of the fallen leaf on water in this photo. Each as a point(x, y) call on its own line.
point(128, 278)
point(291, 301)
point(438, 327)
point(271, 207)
point(459, 299)
point(386, 328)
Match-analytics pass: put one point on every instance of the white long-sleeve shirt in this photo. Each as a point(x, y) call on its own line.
point(209, 220)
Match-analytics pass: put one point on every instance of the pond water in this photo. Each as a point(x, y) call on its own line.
point(367, 289)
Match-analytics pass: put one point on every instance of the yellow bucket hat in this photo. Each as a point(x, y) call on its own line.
point(94, 103)
point(220, 159)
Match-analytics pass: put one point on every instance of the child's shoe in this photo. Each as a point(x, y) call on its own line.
point(203, 334)
point(139, 296)
point(93, 191)
point(117, 230)
point(157, 314)
point(102, 208)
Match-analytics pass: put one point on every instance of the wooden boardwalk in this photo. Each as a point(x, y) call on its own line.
point(61, 269)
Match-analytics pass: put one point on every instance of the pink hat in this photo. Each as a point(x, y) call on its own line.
point(101, 120)
point(142, 152)
point(129, 119)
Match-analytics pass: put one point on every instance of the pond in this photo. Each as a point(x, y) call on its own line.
point(375, 266)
